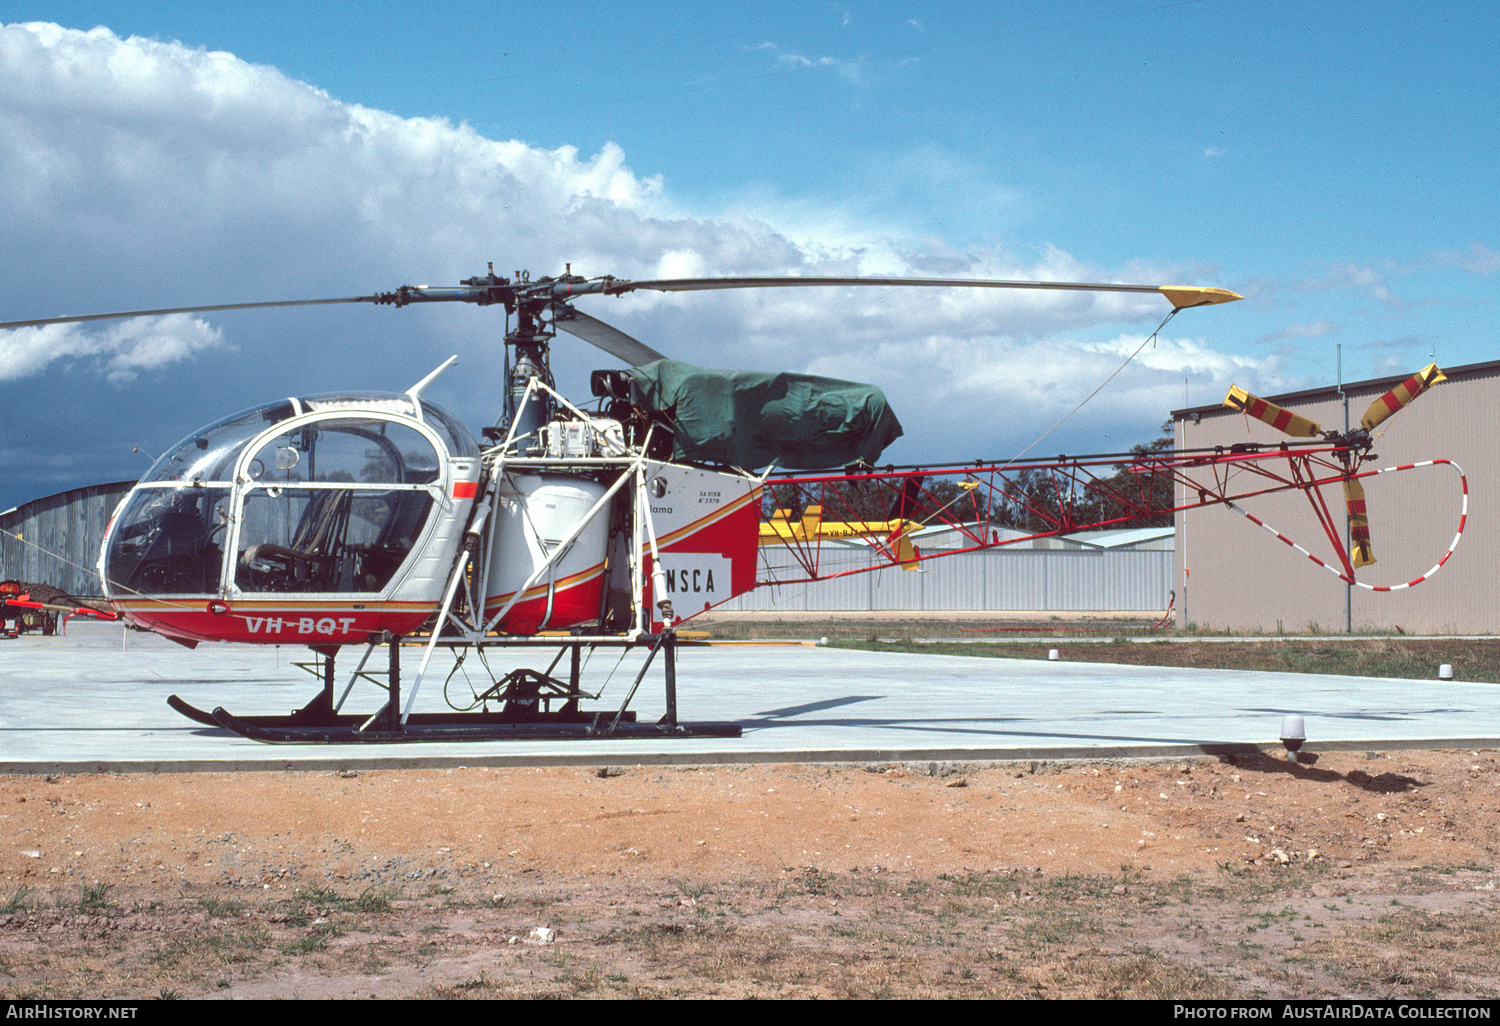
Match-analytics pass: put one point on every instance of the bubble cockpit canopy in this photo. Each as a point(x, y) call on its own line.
point(323, 494)
point(209, 454)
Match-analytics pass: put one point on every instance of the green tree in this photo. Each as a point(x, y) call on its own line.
point(1038, 500)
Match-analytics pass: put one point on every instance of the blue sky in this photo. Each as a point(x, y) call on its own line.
point(1333, 162)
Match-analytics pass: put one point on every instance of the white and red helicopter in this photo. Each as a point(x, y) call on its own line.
point(365, 518)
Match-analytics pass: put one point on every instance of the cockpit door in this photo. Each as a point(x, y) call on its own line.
point(333, 504)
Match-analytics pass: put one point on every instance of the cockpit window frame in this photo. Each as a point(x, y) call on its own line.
point(241, 485)
point(245, 486)
point(173, 469)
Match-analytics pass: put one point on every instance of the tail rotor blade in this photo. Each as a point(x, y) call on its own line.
point(607, 337)
point(1399, 397)
point(1282, 420)
point(1360, 552)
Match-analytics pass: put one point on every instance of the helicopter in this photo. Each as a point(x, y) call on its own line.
point(365, 519)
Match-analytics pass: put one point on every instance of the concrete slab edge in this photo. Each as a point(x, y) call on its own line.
point(1079, 753)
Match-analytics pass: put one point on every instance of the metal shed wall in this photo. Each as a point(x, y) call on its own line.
point(1244, 579)
point(55, 540)
point(996, 579)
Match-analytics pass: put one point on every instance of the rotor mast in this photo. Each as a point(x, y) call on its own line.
point(528, 342)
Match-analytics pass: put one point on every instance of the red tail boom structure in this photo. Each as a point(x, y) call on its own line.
point(1046, 498)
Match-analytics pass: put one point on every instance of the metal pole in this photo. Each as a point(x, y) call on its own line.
point(1348, 588)
point(1183, 616)
point(574, 672)
point(325, 700)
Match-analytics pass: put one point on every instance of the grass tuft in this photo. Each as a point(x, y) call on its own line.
point(94, 898)
point(22, 899)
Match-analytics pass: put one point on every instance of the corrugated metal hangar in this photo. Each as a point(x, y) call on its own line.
point(1090, 571)
point(1231, 574)
point(55, 540)
point(1008, 579)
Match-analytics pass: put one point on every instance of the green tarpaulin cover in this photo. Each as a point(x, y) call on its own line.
point(751, 419)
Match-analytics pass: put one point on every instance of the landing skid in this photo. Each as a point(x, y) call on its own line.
point(460, 727)
point(296, 721)
point(526, 714)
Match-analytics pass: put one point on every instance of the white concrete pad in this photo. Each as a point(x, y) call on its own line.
point(96, 700)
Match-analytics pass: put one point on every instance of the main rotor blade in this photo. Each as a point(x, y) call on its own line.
point(121, 314)
point(1180, 296)
point(607, 337)
point(486, 292)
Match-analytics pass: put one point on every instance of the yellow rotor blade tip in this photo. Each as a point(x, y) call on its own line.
point(1183, 296)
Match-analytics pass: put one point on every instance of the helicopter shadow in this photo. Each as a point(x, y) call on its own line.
point(1364, 715)
point(986, 726)
point(1257, 761)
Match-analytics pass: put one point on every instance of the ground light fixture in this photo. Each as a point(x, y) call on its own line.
point(1293, 734)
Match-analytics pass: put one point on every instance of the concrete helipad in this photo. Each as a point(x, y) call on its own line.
point(96, 701)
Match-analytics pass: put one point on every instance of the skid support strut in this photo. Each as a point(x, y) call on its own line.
point(388, 719)
point(669, 671)
point(319, 712)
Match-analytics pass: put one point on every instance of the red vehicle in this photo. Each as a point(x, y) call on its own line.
point(19, 614)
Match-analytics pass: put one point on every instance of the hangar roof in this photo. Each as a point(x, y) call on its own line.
point(1368, 385)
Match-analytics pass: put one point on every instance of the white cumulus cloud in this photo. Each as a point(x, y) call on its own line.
point(138, 173)
point(119, 351)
